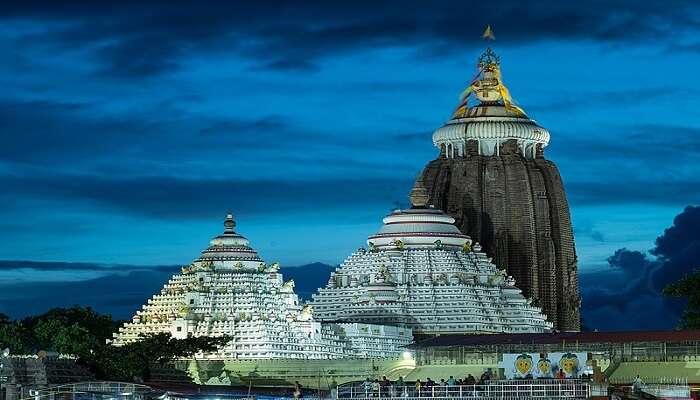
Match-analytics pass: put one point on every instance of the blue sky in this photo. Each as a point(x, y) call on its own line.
point(129, 128)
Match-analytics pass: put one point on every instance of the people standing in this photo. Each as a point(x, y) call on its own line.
point(367, 386)
point(637, 384)
point(471, 381)
point(418, 387)
point(297, 390)
point(376, 388)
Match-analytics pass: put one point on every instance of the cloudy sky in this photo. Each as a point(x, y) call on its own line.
point(128, 129)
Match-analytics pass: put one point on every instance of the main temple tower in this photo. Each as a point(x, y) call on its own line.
point(492, 176)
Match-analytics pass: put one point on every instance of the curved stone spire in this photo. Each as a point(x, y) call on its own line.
point(493, 178)
point(419, 194)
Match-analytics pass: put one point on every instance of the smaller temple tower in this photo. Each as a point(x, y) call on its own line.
point(419, 271)
point(229, 290)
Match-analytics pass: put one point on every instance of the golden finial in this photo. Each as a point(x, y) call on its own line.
point(488, 33)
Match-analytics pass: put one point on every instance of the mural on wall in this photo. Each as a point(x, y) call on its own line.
point(545, 365)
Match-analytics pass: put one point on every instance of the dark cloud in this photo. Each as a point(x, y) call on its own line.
point(413, 136)
point(119, 293)
point(585, 228)
point(628, 296)
point(65, 135)
point(630, 262)
point(633, 143)
point(168, 197)
point(637, 152)
point(617, 190)
point(52, 266)
point(147, 38)
point(563, 103)
point(116, 294)
point(46, 131)
point(678, 249)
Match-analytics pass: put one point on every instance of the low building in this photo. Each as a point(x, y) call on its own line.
point(21, 373)
point(615, 357)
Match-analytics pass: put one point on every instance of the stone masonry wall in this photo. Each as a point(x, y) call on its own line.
point(517, 209)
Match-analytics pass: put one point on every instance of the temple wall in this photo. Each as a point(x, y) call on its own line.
point(310, 373)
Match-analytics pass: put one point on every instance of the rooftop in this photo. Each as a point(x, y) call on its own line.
point(554, 338)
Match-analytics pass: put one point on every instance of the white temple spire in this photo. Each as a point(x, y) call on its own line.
point(229, 223)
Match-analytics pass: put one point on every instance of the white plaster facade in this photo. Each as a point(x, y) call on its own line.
point(229, 290)
point(421, 272)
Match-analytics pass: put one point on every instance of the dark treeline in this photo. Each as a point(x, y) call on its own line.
point(84, 333)
point(687, 288)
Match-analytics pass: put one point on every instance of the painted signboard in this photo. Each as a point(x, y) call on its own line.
point(545, 365)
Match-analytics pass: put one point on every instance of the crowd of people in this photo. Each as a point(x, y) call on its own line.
point(399, 387)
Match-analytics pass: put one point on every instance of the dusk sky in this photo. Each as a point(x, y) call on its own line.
point(127, 130)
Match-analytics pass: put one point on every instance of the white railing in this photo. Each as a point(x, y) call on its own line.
point(532, 389)
point(668, 391)
point(120, 390)
point(665, 391)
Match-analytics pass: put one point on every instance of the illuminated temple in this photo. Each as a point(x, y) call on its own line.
point(491, 175)
point(419, 271)
point(229, 290)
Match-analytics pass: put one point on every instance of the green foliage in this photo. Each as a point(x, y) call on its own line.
point(83, 333)
point(133, 362)
point(14, 336)
point(687, 288)
point(44, 331)
point(75, 339)
point(100, 326)
point(64, 330)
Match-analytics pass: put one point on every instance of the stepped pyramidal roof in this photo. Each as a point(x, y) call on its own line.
point(229, 290)
point(419, 271)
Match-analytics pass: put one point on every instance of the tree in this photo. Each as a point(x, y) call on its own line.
point(687, 288)
point(44, 333)
point(15, 337)
point(75, 339)
point(132, 362)
point(83, 333)
point(99, 326)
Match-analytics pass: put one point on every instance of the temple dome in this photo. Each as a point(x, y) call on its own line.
point(230, 249)
point(419, 226)
point(493, 121)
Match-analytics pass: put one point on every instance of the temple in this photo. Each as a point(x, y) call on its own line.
point(229, 290)
point(492, 177)
point(419, 271)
